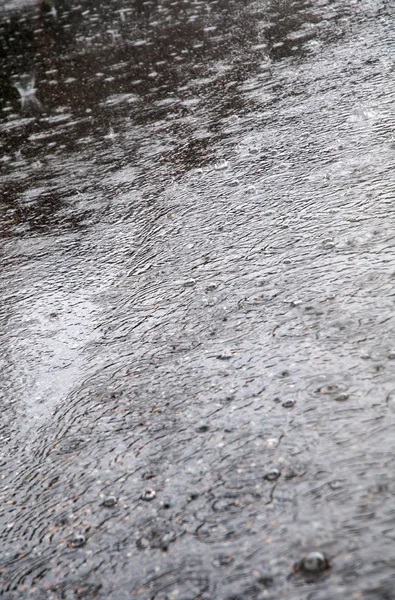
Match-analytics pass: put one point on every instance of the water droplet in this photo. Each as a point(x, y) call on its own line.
point(77, 541)
point(315, 562)
point(289, 403)
point(148, 495)
point(109, 501)
point(272, 475)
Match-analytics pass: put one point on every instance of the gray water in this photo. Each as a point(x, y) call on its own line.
point(197, 287)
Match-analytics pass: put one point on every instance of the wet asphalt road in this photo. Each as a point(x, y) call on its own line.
point(197, 299)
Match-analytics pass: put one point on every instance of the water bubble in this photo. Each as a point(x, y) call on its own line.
point(142, 543)
point(193, 496)
point(203, 428)
point(272, 442)
point(391, 355)
point(110, 501)
point(264, 580)
point(331, 389)
point(328, 244)
point(335, 485)
point(341, 397)
point(272, 475)
point(190, 282)
point(211, 287)
point(148, 495)
point(289, 403)
point(233, 119)
point(315, 562)
point(77, 541)
point(223, 560)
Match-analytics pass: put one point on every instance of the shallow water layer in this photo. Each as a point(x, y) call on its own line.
point(197, 285)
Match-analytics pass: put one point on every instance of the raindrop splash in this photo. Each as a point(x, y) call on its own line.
point(27, 92)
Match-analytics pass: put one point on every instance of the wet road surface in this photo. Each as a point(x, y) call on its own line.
point(198, 288)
